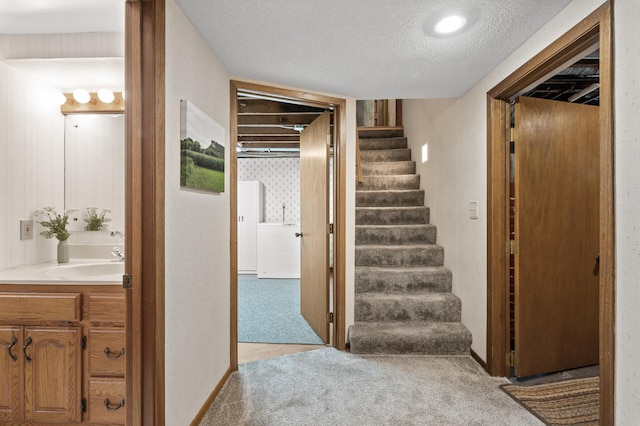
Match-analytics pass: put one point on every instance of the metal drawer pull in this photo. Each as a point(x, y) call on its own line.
point(24, 349)
point(113, 355)
point(14, 340)
point(113, 407)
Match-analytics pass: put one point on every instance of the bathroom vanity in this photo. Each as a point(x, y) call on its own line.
point(62, 345)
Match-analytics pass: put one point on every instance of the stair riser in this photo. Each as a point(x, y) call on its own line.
point(379, 183)
point(396, 235)
point(449, 339)
point(389, 168)
point(389, 198)
point(399, 216)
point(400, 256)
point(385, 155)
point(390, 281)
point(399, 347)
point(380, 133)
point(372, 144)
point(446, 310)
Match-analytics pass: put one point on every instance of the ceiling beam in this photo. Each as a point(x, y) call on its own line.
point(284, 119)
point(261, 106)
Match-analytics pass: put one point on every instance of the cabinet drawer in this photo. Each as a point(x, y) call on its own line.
point(106, 401)
point(106, 352)
point(107, 307)
point(40, 306)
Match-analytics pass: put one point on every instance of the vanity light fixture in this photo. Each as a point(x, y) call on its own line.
point(81, 96)
point(106, 96)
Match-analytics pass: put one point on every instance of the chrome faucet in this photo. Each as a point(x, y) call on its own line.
point(118, 233)
point(116, 251)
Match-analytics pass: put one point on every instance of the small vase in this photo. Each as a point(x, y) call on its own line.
point(63, 251)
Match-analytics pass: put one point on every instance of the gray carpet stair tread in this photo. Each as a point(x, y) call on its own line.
point(372, 132)
point(396, 234)
point(402, 154)
point(403, 280)
point(412, 197)
point(371, 144)
point(383, 168)
point(409, 255)
point(408, 215)
point(389, 182)
point(442, 307)
point(433, 338)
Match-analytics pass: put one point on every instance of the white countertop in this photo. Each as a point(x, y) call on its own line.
point(66, 273)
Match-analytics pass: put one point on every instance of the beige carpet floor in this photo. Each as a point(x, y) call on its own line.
point(329, 387)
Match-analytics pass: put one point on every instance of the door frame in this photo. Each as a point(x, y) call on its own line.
point(596, 28)
point(339, 219)
point(144, 210)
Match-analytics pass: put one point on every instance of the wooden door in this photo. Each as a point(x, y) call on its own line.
point(52, 374)
point(556, 229)
point(10, 373)
point(314, 221)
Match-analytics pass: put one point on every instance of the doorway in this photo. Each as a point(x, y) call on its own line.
point(594, 29)
point(316, 102)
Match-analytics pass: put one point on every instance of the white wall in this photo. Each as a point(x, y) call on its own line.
point(456, 172)
point(281, 179)
point(627, 206)
point(73, 45)
point(196, 287)
point(31, 165)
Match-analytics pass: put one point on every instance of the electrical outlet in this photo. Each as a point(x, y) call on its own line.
point(26, 229)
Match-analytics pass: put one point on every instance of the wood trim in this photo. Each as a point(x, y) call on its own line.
point(207, 404)
point(310, 99)
point(233, 240)
point(479, 360)
point(340, 228)
point(144, 217)
point(607, 221)
point(552, 58)
point(497, 235)
point(358, 160)
point(596, 26)
point(399, 112)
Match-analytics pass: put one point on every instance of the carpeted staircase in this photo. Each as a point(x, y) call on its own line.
point(403, 302)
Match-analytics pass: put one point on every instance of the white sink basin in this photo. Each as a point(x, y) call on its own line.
point(107, 270)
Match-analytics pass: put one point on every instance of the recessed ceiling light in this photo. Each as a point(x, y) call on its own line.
point(450, 24)
point(452, 20)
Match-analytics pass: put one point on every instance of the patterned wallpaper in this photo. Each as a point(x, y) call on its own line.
point(281, 179)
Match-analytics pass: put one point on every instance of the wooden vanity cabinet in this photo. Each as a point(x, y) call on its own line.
point(52, 352)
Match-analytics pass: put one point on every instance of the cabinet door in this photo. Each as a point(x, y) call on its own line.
point(52, 374)
point(10, 372)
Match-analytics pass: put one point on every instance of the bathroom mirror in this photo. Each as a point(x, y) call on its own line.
point(94, 170)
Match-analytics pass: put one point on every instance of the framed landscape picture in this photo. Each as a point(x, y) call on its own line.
point(201, 150)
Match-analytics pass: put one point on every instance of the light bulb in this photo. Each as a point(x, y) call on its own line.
point(106, 96)
point(81, 96)
point(59, 98)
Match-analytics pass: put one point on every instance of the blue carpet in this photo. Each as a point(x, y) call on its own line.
point(269, 312)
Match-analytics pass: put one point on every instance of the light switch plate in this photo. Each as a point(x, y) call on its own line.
point(473, 210)
point(26, 229)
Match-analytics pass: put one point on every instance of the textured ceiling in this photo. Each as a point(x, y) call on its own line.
point(365, 48)
point(361, 48)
